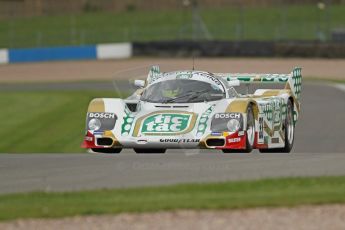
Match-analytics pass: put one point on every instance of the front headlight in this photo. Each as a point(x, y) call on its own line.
point(233, 125)
point(94, 124)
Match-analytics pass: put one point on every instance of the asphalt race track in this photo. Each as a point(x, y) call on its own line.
point(319, 150)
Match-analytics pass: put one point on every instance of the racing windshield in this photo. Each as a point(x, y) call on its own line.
point(182, 91)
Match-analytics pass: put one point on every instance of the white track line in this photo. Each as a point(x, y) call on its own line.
point(340, 86)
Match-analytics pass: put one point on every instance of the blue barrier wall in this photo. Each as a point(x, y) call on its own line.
point(52, 54)
point(99, 51)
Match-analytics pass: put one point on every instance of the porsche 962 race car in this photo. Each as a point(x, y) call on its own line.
point(196, 109)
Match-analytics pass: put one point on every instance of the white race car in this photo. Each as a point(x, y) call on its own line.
point(196, 109)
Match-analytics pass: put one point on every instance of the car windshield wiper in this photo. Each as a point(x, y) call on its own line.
point(191, 94)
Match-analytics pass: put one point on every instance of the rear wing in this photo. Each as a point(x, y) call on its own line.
point(292, 81)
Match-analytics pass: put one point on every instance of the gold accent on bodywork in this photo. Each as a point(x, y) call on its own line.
point(140, 120)
point(268, 129)
point(214, 138)
point(96, 105)
point(272, 93)
point(139, 91)
point(110, 134)
point(256, 112)
point(282, 136)
point(275, 92)
point(202, 143)
point(241, 106)
point(287, 90)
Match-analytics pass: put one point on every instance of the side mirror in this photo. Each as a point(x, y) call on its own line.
point(139, 83)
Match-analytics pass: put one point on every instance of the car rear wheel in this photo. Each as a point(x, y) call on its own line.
point(107, 150)
point(289, 131)
point(149, 150)
point(250, 133)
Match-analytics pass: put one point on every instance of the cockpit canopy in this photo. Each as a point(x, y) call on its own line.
point(180, 90)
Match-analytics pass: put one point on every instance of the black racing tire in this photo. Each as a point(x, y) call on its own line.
point(250, 131)
point(107, 150)
point(289, 132)
point(148, 151)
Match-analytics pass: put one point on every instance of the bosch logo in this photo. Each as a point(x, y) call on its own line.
point(102, 115)
point(227, 115)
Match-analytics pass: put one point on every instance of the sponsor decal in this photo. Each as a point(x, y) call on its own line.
point(275, 140)
point(261, 130)
point(216, 134)
point(88, 138)
point(98, 132)
point(277, 103)
point(166, 123)
point(107, 120)
point(102, 115)
point(234, 140)
point(127, 124)
point(203, 121)
point(176, 140)
point(227, 116)
point(240, 133)
point(268, 111)
point(220, 121)
point(187, 75)
point(210, 77)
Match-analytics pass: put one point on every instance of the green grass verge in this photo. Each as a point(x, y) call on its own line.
point(228, 195)
point(40, 121)
point(253, 23)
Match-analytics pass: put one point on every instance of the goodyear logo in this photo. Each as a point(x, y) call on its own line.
point(166, 123)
